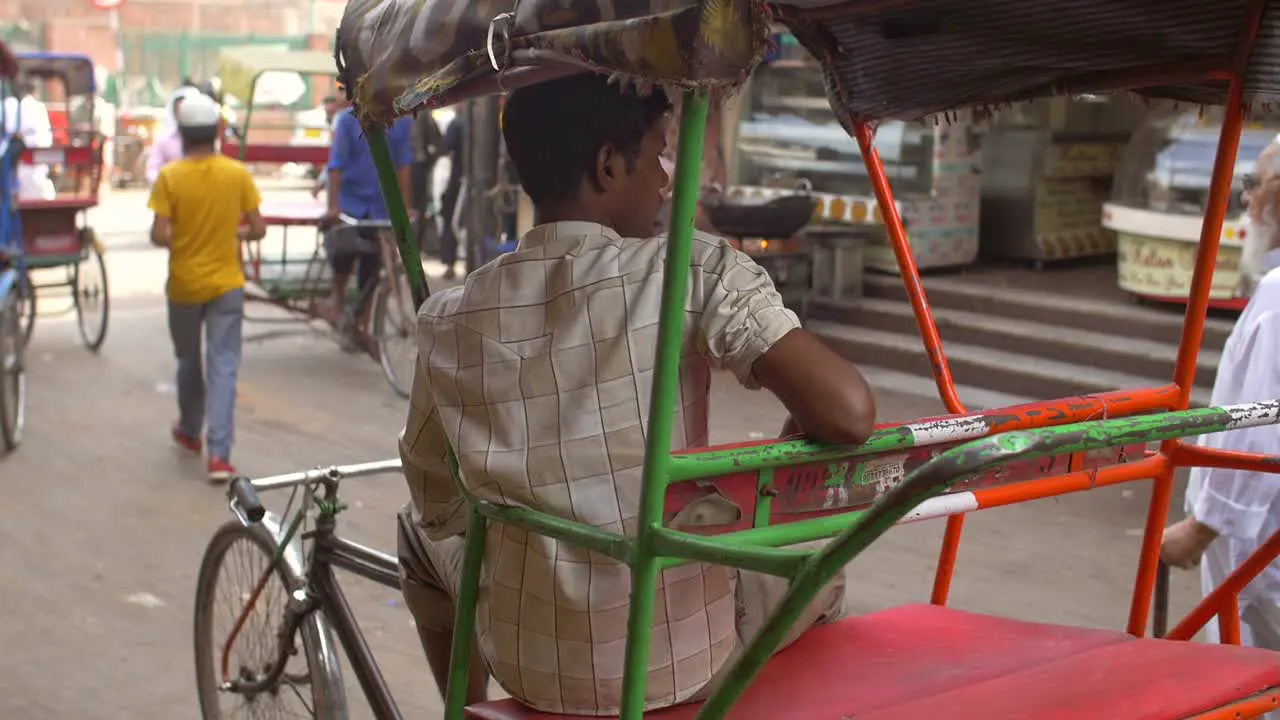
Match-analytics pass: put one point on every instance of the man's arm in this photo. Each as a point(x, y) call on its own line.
point(1235, 503)
point(161, 231)
point(160, 204)
point(251, 204)
point(745, 327)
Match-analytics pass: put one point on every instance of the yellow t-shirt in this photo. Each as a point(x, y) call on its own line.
point(205, 199)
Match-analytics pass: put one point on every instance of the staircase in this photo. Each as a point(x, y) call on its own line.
point(1009, 340)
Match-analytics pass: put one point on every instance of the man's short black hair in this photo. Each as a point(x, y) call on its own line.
point(200, 136)
point(555, 130)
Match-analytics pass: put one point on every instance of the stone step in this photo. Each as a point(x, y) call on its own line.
point(1053, 309)
point(1003, 371)
point(1108, 351)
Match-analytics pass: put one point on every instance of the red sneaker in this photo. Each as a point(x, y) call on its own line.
point(186, 442)
point(220, 470)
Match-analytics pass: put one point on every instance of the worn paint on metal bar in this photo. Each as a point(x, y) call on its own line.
point(710, 463)
point(764, 499)
point(939, 474)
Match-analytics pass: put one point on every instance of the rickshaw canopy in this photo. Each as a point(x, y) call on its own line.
point(240, 66)
point(882, 59)
point(76, 71)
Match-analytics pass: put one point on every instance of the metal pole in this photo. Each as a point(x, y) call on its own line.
point(122, 92)
point(1160, 613)
point(481, 175)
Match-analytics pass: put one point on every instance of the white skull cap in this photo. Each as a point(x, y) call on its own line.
point(198, 110)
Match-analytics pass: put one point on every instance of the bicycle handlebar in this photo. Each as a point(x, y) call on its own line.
point(243, 493)
point(244, 501)
point(349, 221)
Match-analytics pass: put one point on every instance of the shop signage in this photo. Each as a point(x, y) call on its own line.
point(1159, 267)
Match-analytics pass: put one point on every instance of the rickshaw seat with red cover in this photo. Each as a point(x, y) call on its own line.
point(923, 662)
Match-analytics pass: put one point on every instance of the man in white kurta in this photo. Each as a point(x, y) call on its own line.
point(29, 118)
point(1230, 513)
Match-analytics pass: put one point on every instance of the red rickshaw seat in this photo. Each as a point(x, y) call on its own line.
point(922, 662)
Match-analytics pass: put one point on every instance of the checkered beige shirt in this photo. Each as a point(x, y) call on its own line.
point(538, 372)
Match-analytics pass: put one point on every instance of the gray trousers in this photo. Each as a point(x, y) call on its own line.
point(207, 380)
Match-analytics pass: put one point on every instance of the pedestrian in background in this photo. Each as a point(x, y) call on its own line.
point(1231, 513)
point(168, 146)
point(199, 202)
point(1261, 249)
point(453, 145)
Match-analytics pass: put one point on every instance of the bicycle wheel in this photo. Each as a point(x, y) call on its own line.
point(394, 324)
point(13, 378)
point(90, 286)
point(26, 294)
point(310, 690)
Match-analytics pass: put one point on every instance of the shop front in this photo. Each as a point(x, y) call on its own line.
point(1159, 200)
point(1047, 170)
point(787, 137)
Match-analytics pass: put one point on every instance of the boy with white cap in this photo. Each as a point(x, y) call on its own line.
point(200, 202)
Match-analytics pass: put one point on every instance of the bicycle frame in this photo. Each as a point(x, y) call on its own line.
point(322, 591)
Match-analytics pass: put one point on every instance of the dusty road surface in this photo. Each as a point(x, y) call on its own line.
point(103, 523)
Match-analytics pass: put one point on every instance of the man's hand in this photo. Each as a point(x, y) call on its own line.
point(316, 188)
point(161, 232)
point(1185, 542)
point(328, 219)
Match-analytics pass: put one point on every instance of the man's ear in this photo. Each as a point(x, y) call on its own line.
point(610, 168)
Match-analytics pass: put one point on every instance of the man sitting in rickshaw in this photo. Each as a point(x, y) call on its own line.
point(27, 118)
point(538, 370)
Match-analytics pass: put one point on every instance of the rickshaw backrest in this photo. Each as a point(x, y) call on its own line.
point(754, 499)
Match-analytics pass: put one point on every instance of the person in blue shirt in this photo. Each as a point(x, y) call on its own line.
point(354, 191)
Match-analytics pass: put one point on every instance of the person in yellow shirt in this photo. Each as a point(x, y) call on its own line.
point(200, 203)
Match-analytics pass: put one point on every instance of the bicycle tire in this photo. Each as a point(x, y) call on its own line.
point(26, 294)
point(328, 694)
point(400, 381)
point(13, 382)
point(92, 321)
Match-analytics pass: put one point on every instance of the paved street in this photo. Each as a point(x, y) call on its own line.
point(103, 523)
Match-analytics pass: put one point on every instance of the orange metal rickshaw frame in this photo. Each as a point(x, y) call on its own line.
point(1158, 466)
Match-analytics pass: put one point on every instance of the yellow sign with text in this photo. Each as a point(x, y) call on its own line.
point(1160, 267)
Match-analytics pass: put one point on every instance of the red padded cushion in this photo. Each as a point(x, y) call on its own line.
point(923, 661)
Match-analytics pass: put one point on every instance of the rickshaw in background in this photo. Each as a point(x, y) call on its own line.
point(295, 276)
point(12, 273)
point(907, 59)
point(59, 247)
point(136, 130)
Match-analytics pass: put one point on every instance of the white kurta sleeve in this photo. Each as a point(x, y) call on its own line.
point(1232, 502)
